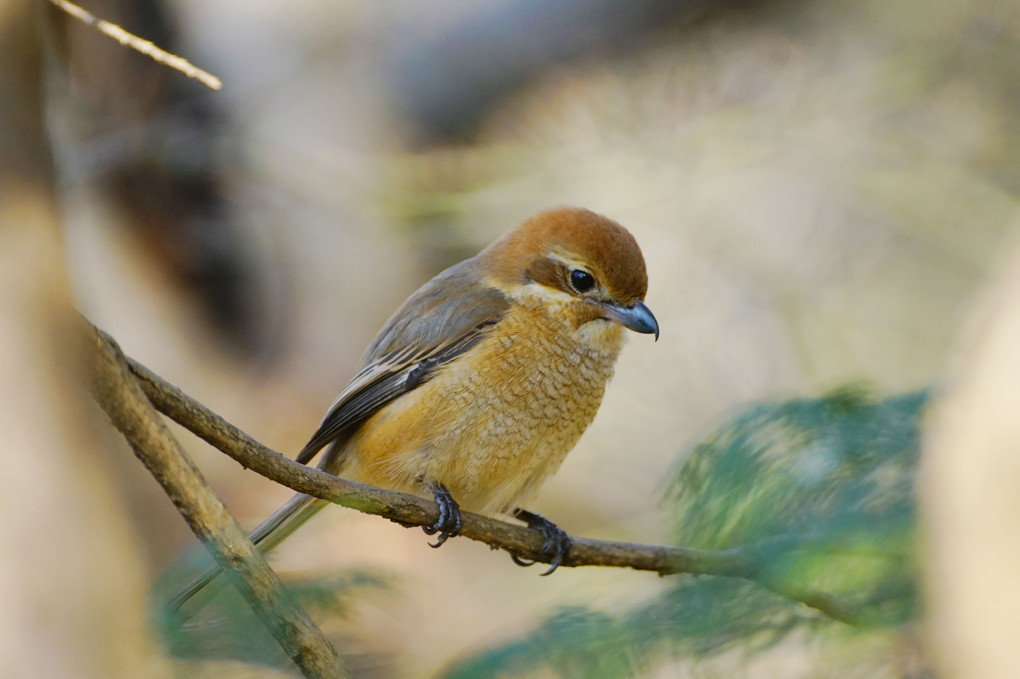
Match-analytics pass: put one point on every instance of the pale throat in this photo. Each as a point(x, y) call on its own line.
point(596, 336)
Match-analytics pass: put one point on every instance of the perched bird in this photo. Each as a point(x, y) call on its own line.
point(483, 380)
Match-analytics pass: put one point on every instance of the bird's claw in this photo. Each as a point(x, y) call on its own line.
point(555, 541)
point(517, 559)
point(449, 523)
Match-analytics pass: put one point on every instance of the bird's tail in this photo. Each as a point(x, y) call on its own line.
point(266, 537)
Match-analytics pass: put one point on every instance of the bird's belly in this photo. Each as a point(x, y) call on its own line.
point(490, 427)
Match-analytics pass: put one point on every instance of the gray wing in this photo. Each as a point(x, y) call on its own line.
point(443, 319)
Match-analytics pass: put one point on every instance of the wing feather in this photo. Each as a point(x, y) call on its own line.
point(442, 320)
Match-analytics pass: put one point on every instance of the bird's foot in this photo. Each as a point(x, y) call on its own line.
point(449, 523)
point(556, 542)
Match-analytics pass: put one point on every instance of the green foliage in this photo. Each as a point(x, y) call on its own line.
point(823, 488)
point(821, 491)
point(227, 629)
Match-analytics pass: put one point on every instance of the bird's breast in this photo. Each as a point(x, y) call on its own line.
point(496, 422)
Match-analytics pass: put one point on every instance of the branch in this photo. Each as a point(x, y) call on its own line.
point(140, 45)
point(118, 393)
point(741, 562)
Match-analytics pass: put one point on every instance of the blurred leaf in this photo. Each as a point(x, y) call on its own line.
point(227, 629)
point(822, 490)
point(692, 620)
point(824, 487)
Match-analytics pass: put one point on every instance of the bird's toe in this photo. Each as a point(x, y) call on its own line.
point(555, 541)
point(450, 522)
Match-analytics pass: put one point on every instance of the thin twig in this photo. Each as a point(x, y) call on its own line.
point(742, 562)
point(140, 45)
point(118, 393)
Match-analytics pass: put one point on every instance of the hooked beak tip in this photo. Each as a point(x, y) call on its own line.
point(638, 318)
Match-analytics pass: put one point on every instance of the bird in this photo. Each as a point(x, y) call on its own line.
point(481, 382)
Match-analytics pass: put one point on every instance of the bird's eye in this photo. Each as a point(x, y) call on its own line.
point(581, 280)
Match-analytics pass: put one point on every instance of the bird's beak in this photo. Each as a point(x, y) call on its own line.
point(637, 317)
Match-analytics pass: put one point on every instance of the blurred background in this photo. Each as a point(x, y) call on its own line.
point(821, 190)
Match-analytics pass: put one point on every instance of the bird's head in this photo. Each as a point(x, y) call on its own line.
point(579, 259)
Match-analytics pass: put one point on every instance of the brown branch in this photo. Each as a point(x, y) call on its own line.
point(742, 562)
point(118, 393)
